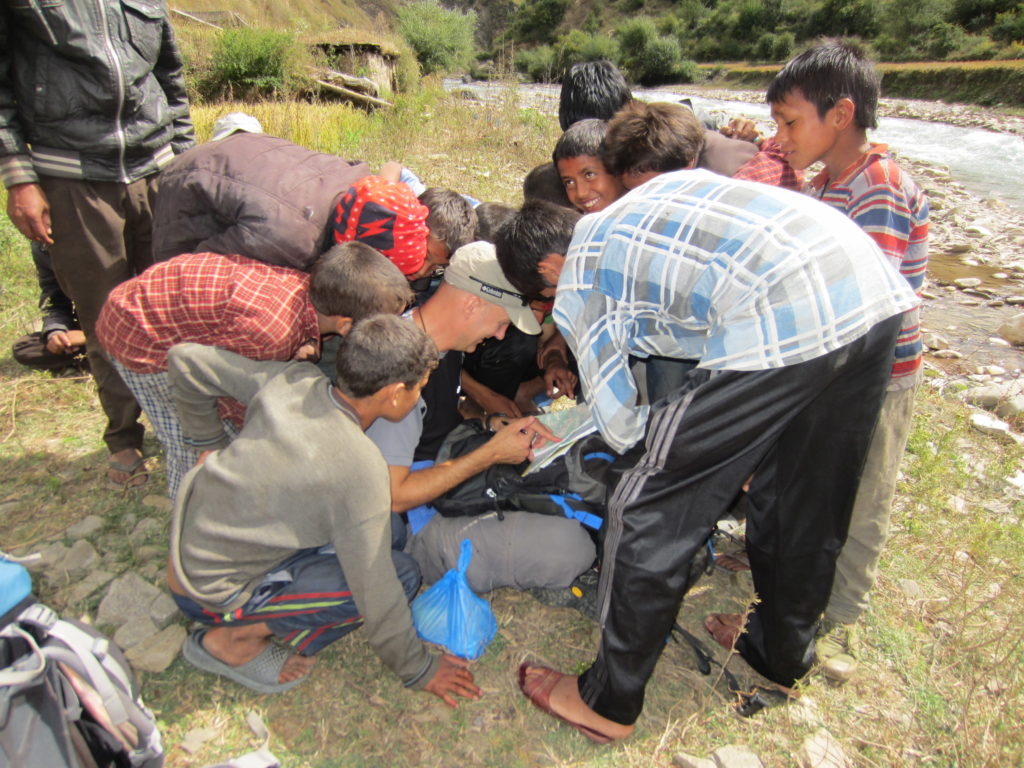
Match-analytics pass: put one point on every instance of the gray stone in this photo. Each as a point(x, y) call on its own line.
point(1015, 300)
point(992, 370)
point(821, 750)
point(960, 248)
point(683, 760)
point(990, 425)
point(967, 282)
point(1006, 399)
point(1013, 330)
point(89, 584)
point(163, 610)
point(148, 552)
point(85, 527)
point(195, 739)
point(736, 756)
point(128, 599)
point(151, 571)
point(158, 502)
point(146, 528)
point(155, 654)
point(934, 341)
point(947, 354)
point(134, 632)
point(977, 230)
point(49, 557)
point(911, 589)
point(80, 558)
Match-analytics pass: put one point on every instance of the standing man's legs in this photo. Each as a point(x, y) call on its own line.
point(701, 447)
point(102, 236)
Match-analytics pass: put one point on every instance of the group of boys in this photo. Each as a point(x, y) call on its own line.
point(768, 321)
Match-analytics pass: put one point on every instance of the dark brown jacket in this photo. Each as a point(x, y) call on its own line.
point(253, 195)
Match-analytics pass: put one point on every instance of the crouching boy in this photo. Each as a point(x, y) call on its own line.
point(264, 527)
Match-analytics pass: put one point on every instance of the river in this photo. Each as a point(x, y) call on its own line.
point(987, 163)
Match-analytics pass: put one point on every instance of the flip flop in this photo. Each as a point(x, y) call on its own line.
point(725, 628)
point(540, 695)
point(132, 470)
point(260, 674)
point(733, 562)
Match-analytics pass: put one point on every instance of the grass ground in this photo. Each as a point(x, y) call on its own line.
point(942, 677)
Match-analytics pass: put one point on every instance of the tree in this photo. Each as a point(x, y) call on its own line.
point(442, 39)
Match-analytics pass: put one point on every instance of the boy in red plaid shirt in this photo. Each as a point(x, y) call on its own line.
point(257, 310)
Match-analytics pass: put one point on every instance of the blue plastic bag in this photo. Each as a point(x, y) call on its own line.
point(452, 615)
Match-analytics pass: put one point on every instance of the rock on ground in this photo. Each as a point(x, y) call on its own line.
point(156, 653)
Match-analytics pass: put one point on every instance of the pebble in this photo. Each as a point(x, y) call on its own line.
point(195, 739)
point(911, 589)
point(127, 599)
point(156, 653)
point(134, 632)
point(947, 354)
point(736, 756)
point(49, 556)
point(1013, 330)
point(934, 341)
point(1014, 300)
point(967, 282)
point(821, 750)
point(163, 610)
point(85, 527)
point(93, 580)
point(683, 760)
point(990, 425)
point(80, 558)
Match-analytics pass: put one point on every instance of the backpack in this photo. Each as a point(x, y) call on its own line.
point(575, 485)
point(67, 695)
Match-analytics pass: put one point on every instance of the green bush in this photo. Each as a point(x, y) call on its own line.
point(577, 46)
point(536, 20)
point(442, 39)
point(537, 64)
point(252, 63)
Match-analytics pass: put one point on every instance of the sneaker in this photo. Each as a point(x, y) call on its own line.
point(581, 594)
point(836, 646)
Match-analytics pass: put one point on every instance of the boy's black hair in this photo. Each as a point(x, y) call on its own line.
point(354, 280)
point(544, 183)
point(382, 350)
point(828, 72)
point(452, 219)
point(581, 138)
point(539, 229)
point(646, 137)
point(490, 217)
point(592, 89)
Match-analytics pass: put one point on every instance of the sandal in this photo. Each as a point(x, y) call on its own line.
point(137, 469)
point(259, 674)
point(540, 694)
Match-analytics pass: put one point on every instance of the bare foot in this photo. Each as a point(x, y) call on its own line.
point(236, 646)
point(564, 701)
point(127, 468)
point(726, 628)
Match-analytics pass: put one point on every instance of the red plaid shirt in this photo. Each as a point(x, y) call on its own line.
point(254, 309)
point(769, 166)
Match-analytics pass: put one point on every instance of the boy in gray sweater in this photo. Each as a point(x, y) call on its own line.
point(263, 526)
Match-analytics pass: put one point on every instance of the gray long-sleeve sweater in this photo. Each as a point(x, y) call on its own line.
point(301, 474)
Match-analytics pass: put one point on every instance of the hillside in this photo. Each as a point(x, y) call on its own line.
point(311, 15)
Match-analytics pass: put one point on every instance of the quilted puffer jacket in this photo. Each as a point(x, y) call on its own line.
point(89, 89)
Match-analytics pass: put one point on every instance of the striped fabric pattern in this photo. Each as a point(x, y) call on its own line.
point(886, 203)
point(738, 275)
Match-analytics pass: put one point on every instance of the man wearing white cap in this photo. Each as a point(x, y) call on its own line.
point(474, 302)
